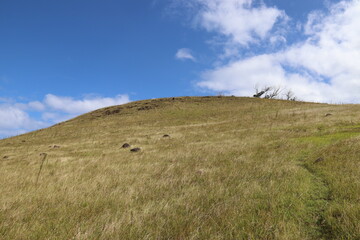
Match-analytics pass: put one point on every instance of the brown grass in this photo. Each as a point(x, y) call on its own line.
point(233, 168)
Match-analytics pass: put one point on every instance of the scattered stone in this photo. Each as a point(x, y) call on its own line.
point(336, 214)
point(145, 108)
point(135, 150)
point(320, 159)
point(277, 146)
point(54, 146)
point(328, 115)
point(200, 171)
point(111, 112)
point(125, 145)
point(166, 136)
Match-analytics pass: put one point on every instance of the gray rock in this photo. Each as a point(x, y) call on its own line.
point(320, 159)
point(125, 145)
point(135, 150)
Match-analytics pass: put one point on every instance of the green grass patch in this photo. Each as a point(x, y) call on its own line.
point(326, 139)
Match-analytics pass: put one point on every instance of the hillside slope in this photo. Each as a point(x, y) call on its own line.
point(231, 168)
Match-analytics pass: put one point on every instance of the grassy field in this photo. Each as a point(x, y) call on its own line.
point(232, 168)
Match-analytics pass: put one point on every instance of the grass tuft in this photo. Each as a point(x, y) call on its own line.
point(231, 168)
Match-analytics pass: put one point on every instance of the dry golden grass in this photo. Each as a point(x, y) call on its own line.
point(233, 168)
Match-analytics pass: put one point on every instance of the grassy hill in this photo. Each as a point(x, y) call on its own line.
point(231, 168)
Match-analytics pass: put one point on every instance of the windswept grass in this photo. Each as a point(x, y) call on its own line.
point(233, 168)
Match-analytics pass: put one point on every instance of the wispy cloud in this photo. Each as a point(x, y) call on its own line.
point(79, 106)
point(16, 118)
point(184, 54)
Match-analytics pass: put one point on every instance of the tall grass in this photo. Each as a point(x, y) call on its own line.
point(234, 168)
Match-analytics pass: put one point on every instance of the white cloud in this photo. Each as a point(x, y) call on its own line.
point(240, 78)
point(184, 54)
point(72, 106)
point(36, 105)
point(16, 118)
point(324, 67)
point(13, 118)
point(16, 121)
point(239, 20)
point(56, 117)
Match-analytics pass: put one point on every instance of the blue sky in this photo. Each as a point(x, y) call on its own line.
point(79, 47)
point(59, 59)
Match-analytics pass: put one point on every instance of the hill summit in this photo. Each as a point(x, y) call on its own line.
point(187, 168)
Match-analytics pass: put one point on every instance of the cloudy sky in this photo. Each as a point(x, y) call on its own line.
point(59, 59)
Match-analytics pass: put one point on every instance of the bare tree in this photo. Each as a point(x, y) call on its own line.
point(220, 94)
point(258, 93)
point(272, 92)
point(290, 96)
